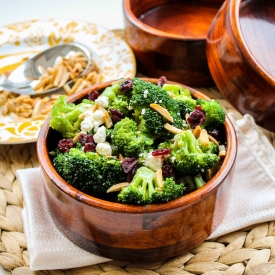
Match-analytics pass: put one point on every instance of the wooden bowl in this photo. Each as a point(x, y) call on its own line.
point(241, 56)
point(168, 37)
point(128, 232)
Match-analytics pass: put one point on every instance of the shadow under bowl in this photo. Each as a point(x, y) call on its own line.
point(128, 232)
point(240, 54)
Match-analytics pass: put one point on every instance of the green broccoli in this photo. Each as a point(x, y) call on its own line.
point(89, 172)
point(143, 94)
point(145, 189)
point(129, 141)
point(183, 97)
point(186, 156)
point(199, 181)
point(64, 116)
point(152, 123)
point(211, 148)
point(214, 113)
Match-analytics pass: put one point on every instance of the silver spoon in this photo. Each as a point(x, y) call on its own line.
point(19, 81)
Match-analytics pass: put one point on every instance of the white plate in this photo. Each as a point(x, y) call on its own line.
point(18, 41)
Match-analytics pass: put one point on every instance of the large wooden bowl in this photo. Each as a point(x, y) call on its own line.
point(241, 57)
point(127, 232)
point(172, 43)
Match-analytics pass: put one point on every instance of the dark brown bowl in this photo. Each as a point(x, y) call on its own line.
point(240, 52)
point(173, 43)
point(127, 232)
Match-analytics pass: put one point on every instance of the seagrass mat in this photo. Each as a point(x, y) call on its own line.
point(249, 251)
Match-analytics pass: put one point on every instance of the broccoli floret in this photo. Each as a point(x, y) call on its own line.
point(89, 172)
point(214, 113)
point(64, 116)
point(186, 156)
point(129, 141)
point(145, 189)
point(183, 97)
point(199, 181)
point(143, 94)
point(152, 123)
point(121, 103)
point(211, 148)
point(111, 92)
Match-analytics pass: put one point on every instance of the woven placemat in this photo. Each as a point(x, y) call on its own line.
point(249, 251)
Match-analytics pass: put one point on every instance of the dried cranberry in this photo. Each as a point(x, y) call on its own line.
point(131, 173)
point(126, 85)
point(161, 152)
point(93, 95)
point(89, 147)
point(128, 163)
point(167, 171)
point(64, 145)
point(84, 138)
point(162, 80)
point(116, 115)
point(196, 118)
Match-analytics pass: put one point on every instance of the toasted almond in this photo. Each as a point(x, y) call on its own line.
point(93, 108)
point(213, 140)
point(197, 131)
point(159, 178)
point(107, 119)
point(172, 129)
point(76, 137)
point(162, 111)
point(203, 138)
point(117, 187)
point(213, 170)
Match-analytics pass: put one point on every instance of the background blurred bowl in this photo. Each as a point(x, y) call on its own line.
point(126, 232)
point(241, 57)
point(168, 37)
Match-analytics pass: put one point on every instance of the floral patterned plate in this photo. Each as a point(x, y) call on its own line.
point(21, 40)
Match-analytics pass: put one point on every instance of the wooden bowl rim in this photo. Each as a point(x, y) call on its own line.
point(234, 16)
point(135, 21)
point(191, 198)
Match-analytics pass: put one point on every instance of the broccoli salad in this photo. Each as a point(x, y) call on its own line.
point(137, 142)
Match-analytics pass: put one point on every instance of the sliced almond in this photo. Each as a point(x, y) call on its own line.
point(159, 178)
point(213, 140)
point(197, 131)
point(76, 137)
point(203, 138)
point(162, 111)
point(93, 108)
point(117, 187)
point(107, 119)
point(214, 169)
point(172, 129)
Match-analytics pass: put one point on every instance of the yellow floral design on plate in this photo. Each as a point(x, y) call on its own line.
point(21, 40)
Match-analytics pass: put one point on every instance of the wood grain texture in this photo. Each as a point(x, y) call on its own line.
point(127, 232)
point(174, 44)
point(240, 56)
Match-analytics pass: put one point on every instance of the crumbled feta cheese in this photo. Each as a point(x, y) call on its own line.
point(100, 135)
point(143, 111)
point(87, 124)
point(221, 147)
point(160, 101)
point(104, 148)
point(98, 114)
point(92, 120)
point(102, 101)
point(154, 163)
point(173, 158)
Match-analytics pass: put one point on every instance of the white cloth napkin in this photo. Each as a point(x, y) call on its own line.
point(245, 198)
